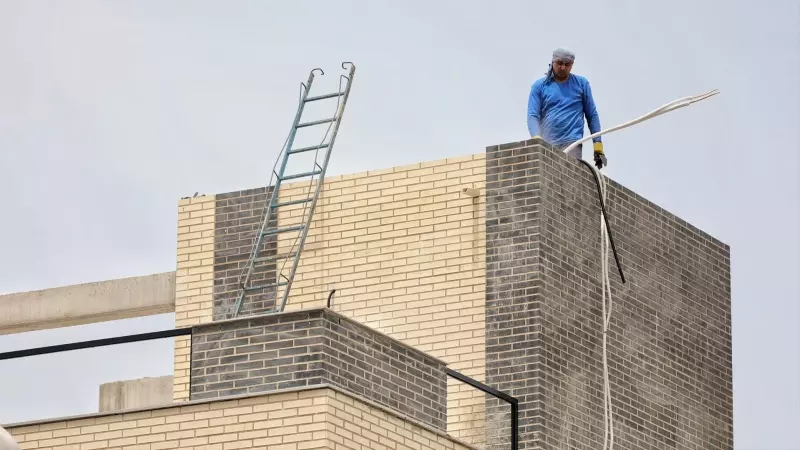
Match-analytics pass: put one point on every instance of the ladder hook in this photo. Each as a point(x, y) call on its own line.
point(346, 62)
point(321, 72)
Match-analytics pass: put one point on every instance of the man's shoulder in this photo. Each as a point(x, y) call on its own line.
point(539, 83)
point(580, 79)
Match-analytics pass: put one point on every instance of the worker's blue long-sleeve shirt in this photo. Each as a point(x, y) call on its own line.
point(556, 110)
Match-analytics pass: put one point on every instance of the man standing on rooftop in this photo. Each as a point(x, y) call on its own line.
point(557, 104)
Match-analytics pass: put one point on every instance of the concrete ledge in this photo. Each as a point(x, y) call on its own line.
point(139, 393)
point(80, 304)
point(192, 406)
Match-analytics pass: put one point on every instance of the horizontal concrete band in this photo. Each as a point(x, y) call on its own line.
point(81, 304)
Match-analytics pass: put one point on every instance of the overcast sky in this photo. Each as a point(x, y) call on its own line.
point(112, 111)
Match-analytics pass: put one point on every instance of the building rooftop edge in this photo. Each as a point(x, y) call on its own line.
point(334, 313)
point(340, 390)
point(464, 157)
point(539, 142)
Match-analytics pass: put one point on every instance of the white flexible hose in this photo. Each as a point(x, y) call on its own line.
point(606, 288)
point(671, 106)
point(7, 442)
point(608, 418)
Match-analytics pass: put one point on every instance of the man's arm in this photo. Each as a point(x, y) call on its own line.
point(534, 110)
point(590, 110)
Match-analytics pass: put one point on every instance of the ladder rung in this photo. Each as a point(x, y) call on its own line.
point(265, 286)
point(293, 202)
point(300, 175)
point(283, 230)
point(307, 149)
point(316, 122)
point(275, 258)
point(323, 97)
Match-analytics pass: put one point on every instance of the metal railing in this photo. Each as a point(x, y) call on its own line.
point(96, 343)
point(188, 331)
point(499, 394)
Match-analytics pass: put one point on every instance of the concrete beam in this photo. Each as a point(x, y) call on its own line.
point(131, 394)
point(80, 304)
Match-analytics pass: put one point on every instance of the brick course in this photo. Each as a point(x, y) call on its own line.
point(286, 421)
point(357, 424)
point(312, 347)
point(321, 418)
point(669, 340)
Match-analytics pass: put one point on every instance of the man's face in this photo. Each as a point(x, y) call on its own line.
point(561, 68)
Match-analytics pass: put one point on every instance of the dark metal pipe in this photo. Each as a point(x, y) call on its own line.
point(329, 297)
point(499, 394)
point(605, 217)
point(96, 343)
point(515, 426)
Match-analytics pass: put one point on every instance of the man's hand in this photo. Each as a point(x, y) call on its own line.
point(599, 157)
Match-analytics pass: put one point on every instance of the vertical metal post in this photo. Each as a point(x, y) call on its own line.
point(515, 425)
point(513, 401)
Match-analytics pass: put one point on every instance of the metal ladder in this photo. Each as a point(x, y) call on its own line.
point(267, 228)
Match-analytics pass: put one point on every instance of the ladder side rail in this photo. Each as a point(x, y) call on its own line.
point(338, 115)
point(274, 196)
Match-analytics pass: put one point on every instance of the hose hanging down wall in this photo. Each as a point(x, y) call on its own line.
point(605, 235)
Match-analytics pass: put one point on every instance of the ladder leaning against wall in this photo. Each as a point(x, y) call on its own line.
point(268, 228)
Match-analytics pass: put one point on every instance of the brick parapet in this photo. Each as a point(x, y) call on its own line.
point(317, 346)
point(319, 417)
point(669, 339)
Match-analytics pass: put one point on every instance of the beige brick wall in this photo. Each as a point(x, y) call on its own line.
point(313, 419)
point(404, 249)
point(357, 425)
point(194, 279)
point(280, 421)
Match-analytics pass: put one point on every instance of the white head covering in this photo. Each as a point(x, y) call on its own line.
point(561, 53)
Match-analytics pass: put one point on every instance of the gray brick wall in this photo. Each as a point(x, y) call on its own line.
point(670, 338)
point(513, 289)
point(311, 347)
point(238, 216)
